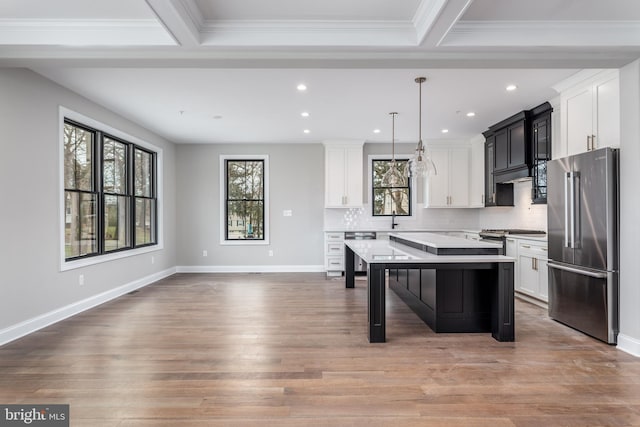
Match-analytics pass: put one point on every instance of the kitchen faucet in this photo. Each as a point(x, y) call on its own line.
point(393, 220)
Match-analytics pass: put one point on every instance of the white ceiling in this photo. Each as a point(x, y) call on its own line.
point(207, 71)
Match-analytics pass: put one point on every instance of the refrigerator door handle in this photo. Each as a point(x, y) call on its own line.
point(595, 274)
point(572, 214)
point(566, 210)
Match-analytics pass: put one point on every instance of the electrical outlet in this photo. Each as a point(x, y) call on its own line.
point(270, 253)
point(287, 212)
point(205, 253)
point(81, 279)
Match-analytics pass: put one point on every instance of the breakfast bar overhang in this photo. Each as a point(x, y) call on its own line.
point(470, 291)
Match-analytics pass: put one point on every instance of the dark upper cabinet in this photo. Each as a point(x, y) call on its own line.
point(512, 147)
point(494, 194)
point(541, 151)
point(517, 148)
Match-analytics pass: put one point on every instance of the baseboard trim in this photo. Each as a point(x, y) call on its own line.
point(251, 269)
point(629, 345)
point(26, 327)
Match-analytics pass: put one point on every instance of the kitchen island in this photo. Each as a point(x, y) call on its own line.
point(472, 292)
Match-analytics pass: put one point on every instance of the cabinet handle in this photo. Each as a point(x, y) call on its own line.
point(526, 246)
point(593, 142)
point(493, 197)
point(588, 143)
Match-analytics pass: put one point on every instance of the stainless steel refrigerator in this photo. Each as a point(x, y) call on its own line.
point(582, 210)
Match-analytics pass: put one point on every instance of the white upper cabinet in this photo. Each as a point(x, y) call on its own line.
point(343, 174)
point(449, 188)
point(476, 175)
point(589, 112)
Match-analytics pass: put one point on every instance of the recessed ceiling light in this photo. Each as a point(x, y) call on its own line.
point(445, 131)
point(471, 114)
point(302, 87)
point(376, 131)
point(512, 87)
point(217, 117)
point(306, 131)
point(304, 114)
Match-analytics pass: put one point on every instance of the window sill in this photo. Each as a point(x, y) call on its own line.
point(85, 262)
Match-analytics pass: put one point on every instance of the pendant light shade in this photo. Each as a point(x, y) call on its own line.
point(420, 164)
point(393, 177)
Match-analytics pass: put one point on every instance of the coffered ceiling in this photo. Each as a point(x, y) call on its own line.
point(226, 71)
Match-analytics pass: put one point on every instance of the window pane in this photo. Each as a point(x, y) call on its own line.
point(145, 221)
point(114, 171)
point(78, 158)
point(116, 222)
point(80, 236)
point(386, 201)
point(143, 170)
point(245, 180)
point(248, 218)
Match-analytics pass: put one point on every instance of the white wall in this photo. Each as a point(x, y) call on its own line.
point(296, 184)
point(34, 291)
point(629, 337)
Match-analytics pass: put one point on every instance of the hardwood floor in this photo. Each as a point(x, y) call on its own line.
point(292, 350)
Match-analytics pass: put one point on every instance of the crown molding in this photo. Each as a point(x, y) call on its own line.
point(308, 33)
point(86, 32)
point(544, 33)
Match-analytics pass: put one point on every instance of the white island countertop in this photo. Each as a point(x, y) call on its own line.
point(389, 252)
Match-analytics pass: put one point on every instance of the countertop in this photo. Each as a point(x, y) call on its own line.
point(438, 241)
point(387, 252)
point(536, 237)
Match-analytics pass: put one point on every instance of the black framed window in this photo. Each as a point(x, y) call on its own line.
point(244, 199)
point(109, 191)
point(388, 200)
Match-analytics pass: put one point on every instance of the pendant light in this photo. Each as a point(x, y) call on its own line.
point(393, 177)
point(420, 164)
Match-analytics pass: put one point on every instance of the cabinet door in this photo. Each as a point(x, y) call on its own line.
point(353, 177)
point(489, 184)
point(541, 138)
point(438, 185)
point(607, 114)
point(458, 177)
point(501, 154)
point(517, 149)
point(579, 112)
point(476, 176)
point(528, 275)
point(335, 172)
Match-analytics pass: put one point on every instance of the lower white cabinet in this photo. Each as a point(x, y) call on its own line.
point(532, 277)
point(511, 250)
point(334, 253)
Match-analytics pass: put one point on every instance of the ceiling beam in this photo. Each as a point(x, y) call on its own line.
point(181, 18)
point(434, 19)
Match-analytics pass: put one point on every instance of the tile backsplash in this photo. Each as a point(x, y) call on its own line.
point(523, 215)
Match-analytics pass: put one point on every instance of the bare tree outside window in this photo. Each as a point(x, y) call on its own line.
point(388, 200)
point(245, 199)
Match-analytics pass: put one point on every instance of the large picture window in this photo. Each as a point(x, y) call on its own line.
point(389, 200)
point(109, 193)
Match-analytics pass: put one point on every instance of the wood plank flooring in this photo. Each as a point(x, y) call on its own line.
point(292, 350)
